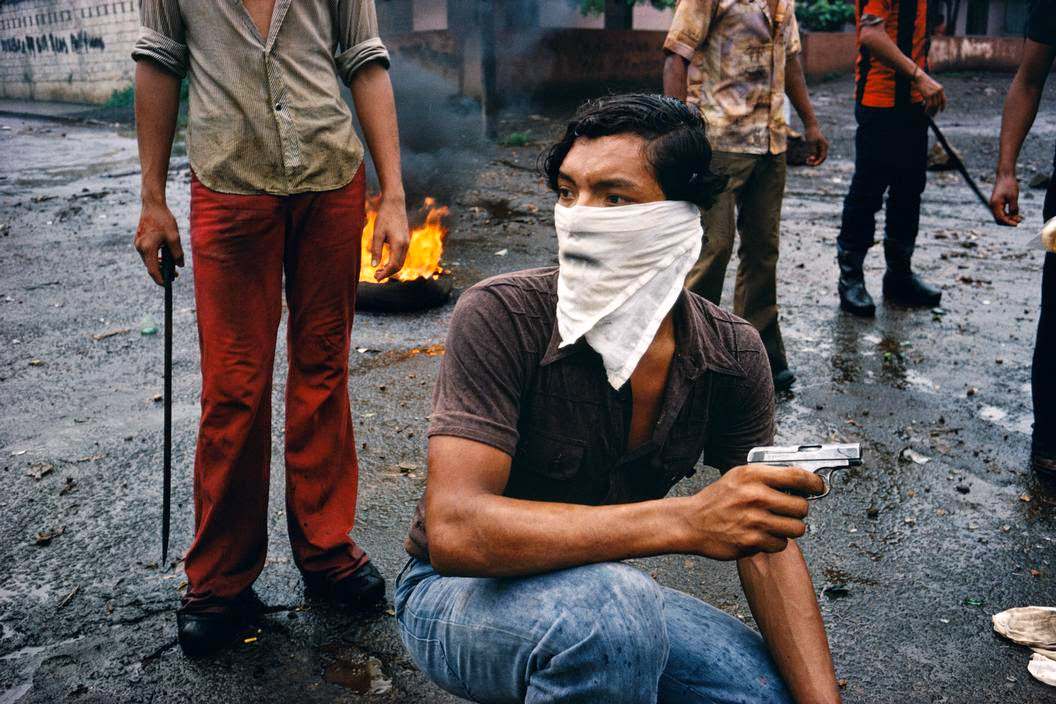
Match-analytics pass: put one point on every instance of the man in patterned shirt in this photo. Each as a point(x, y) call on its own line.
point(277, 193)
point(736, 60)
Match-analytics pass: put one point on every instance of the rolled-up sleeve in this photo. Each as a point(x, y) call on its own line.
point(358, 33)
point(690, 27)
point(162, 36)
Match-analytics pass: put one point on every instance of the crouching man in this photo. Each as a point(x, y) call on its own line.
point(569, 402)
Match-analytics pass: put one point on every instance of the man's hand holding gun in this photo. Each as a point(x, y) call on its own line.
point(759, 506)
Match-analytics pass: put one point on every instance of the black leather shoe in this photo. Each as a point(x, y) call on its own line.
point(854, 298)
point(783, 380)
point(363, 588)
point(909, 290)
point(202, 633)
point(1045, 471)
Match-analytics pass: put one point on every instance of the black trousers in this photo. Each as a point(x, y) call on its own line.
point(890, 155)
point(1043, 382)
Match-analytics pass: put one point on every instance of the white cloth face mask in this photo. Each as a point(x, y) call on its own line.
point(621, 271)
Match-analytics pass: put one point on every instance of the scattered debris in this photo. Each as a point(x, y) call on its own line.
point(36, 362)
point(974, 601)
point(360, 677)
point(45, 537)
point(68, 487)
point(908, 454)
point(836, 591)
point(110, 333)
point(963, 488)
point(66, 599)
point(502, 253)
point(40, 470)
point(1039, 180)
point(45, 284)
point(406, 467)
point(148, 326)
point(1043, 669)
point(1028, 625)
point(1034, 627)
point(939, 160)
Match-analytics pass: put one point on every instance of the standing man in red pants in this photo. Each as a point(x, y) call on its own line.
point(277, 202)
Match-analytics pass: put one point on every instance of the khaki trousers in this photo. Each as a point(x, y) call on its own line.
point(751, 206)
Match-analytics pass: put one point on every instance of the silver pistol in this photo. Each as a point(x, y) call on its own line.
point(823, 460)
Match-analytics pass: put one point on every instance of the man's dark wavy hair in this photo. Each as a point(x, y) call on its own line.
point(677, 144)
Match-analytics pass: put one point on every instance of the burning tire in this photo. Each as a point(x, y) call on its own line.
point(395, 296)
point(422, 283)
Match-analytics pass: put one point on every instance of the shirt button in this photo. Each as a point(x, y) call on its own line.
point(278, 106)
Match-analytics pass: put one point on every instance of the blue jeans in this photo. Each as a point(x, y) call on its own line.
point(596, 633)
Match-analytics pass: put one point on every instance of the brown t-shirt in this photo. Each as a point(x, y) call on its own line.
point(505, 382)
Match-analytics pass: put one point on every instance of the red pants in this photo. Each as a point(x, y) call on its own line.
point(242, 247)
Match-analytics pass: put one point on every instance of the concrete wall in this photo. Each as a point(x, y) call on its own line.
point(72, 50)
point(827, 53)
point(975, 53)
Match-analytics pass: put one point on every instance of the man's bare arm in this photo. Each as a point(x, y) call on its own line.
point(880, 45)
point(781, 596)
point(796, 90)
point(1021, 107)
point(376, 110)
point(675, 76)
point(157, 108)
point(475, 531)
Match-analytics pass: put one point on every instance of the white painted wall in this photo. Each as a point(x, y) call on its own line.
point(648, 17)
point(75, 50)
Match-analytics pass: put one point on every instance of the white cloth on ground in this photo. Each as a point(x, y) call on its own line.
point(621, 271)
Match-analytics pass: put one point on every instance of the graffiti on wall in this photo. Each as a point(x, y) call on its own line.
point(76, 42)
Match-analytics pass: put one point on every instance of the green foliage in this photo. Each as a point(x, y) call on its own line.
point(121, 98)
point(824, 15)
point(516, 139)
point(126, 97)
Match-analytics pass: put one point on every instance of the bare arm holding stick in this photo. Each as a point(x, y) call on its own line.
point(157, 108)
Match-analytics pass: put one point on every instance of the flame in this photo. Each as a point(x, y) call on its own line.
point(426, 247)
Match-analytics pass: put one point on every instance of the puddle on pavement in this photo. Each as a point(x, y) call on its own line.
point(359, 676)
point(921, 382)
point(998, 416)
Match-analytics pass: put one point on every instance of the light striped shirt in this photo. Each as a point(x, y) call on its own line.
point(266, 113)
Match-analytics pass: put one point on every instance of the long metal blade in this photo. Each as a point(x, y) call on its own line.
point(958, 164)
point(167, 271)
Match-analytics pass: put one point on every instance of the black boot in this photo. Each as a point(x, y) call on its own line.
point(202, 633)
point(854, 298)
point(362, 589)
point(901, 285)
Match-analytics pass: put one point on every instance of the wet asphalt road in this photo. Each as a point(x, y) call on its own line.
point(910, 560)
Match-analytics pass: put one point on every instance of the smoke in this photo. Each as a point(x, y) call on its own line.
point(441, 132)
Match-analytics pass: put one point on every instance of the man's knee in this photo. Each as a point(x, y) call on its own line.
point(621, 619)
